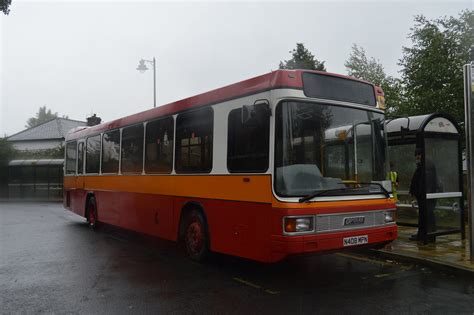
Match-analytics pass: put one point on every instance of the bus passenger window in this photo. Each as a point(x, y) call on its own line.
point(159, 146)
point(93, 155)
point(132, 149)
point(80, 158)
point(247, 145)
point(71, 153)
point(194, 132)
point(110, 152)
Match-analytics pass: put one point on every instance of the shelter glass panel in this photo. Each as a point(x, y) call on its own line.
point(41, 182)
point(42, 174)
point(55, 182)
point(15, 175)
point(441, 165)
point(446, 214)
point(403, 158)
point(28, 185)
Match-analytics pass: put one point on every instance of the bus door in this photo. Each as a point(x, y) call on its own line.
point(80, 181)
point(369, 152)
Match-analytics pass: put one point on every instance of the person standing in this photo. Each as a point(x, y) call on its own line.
point(419, 187)
point(393, 177)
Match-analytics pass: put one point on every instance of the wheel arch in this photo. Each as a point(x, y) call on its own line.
point(185, 211)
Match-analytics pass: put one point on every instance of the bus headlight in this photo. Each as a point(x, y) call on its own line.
point(299, 224)
point(389, 216)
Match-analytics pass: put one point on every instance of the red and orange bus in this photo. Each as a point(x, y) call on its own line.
point(290, 162)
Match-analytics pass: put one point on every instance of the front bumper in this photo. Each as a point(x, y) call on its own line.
point(283, 246)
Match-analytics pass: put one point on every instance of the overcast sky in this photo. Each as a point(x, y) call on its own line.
point(79, 58)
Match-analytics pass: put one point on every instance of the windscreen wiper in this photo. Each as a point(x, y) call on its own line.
point(322, 192)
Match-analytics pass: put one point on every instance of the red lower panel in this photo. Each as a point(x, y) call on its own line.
point(236, 228)
point(245, 229)
point(144, 213)
point(78, 201)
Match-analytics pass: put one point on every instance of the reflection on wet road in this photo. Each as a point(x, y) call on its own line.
point(51, 262)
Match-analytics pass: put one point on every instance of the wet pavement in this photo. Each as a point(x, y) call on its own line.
point(51, 262)
point(448, 250)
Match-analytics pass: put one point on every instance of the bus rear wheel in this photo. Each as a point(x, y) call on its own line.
point(196, 237)
point(92, 213)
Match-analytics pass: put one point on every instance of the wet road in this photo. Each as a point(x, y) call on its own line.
point(50, 261)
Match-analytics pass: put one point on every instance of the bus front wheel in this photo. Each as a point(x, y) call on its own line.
point(92, 213)
point(196, 237)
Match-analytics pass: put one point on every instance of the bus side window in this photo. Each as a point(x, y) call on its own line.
point(93, 154)
point(110, 152)
point(194, 138)
point(248, 143)
point(159, 146)
point(71, 155)
point(132, 149)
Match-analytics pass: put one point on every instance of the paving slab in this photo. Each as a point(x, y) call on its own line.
point(448, 251)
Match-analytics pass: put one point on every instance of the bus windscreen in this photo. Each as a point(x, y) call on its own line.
point(338, 89)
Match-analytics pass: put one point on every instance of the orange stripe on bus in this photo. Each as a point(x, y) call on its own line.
point(241, 188)
point(229, 187)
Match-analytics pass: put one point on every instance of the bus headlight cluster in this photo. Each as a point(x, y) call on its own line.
point(299, 224)
point(389, 216)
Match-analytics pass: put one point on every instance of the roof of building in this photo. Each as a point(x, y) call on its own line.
point(56, 128)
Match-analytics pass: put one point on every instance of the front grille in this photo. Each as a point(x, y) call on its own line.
point(335, 222)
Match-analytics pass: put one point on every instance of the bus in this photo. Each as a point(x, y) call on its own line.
point(287, 163)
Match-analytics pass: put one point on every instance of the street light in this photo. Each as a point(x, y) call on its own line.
point(142, 68)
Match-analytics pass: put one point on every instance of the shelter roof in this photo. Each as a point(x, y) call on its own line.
point(436, 122)
point(36, 162)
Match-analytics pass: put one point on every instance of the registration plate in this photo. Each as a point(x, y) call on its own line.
point(355, 240)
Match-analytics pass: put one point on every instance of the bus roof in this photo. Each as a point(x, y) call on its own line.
point(276, 79)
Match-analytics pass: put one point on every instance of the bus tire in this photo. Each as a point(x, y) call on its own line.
point(196, 236)
point(91, 213)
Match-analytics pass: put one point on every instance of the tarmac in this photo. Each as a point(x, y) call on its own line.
point(449, 251)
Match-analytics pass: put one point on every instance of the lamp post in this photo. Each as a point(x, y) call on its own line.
point(469, 130)
point(142, 68)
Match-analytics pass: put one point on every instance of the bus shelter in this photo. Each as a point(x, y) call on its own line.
point(437, 136)
point(35, 179)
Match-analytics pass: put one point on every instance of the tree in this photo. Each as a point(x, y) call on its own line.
point(432, 67)
point(7, 152)
point(53, 153)
point(369, 69)
point(302, 59)
point(4, 6)
point(42, 116)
